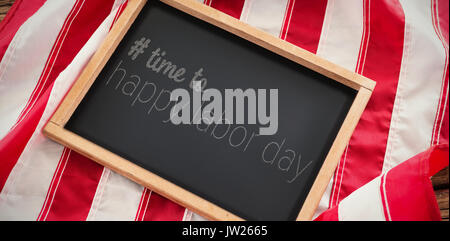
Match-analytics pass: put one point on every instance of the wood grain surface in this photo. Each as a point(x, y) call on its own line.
point(5, 5)
point(440, 185)
point(440, 180)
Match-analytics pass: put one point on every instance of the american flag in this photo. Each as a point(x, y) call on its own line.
point(400, 44)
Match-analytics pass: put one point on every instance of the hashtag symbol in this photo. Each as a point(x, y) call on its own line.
point(138, 48)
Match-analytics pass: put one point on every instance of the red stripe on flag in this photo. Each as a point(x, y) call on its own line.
point(119, 12)
point(12, 145)
point(444, 125)
point(438, 159)
point(442, 7)
point(143, 204)
point(386, 211)
point(337, 181)
point(54, 184)
point(80, 174)
point(162, 209)
point(408, 189)
point(44, 79)
point(440, 24)
point(72, 189)
point(230, 7)
point(303, 23)
point(19, 12)
point(83, 20)
point(380, 60)
point(286, 18)
point(331, 214)
point(365, 38)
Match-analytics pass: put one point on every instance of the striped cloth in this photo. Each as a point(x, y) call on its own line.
point(401, 44)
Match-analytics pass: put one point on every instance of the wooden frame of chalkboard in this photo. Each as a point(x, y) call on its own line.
point(55, 128)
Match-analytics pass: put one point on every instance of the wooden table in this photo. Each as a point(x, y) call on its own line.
point(440, 180)
point(440, 185)
point(5, 5)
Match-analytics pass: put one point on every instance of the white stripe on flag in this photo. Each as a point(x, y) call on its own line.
point(342, 30)
point(116, 5)
point(187, 215)
point(418, 88)
point(267, 15)
point(28, 52)
point(364, 204)
point(196, 217)
point(325, 200)
point(116, 198)
point(339, 43)
point(26, 187)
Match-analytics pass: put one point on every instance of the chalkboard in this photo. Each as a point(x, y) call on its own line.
point(127, 111)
